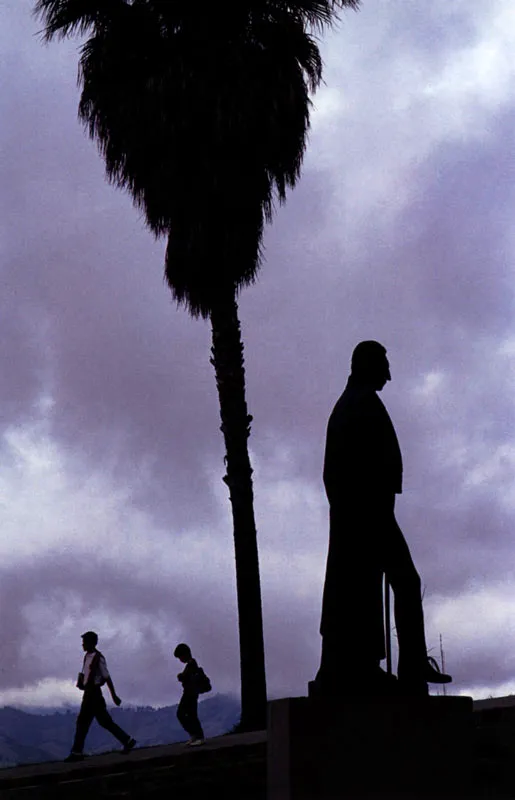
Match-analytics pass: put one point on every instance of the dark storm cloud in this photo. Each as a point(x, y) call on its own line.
point(153, 616)
point(128, 372)
point(399, 231)
point(433, 281)
point(440, 291)
point(436, 288)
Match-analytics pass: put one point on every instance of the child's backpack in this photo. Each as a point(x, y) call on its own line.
point(202, 682)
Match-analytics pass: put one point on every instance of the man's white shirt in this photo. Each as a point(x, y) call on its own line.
point(101, 672)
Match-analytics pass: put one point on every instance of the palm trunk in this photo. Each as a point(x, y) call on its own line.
point(227, 352)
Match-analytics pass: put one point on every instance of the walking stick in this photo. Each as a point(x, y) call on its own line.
point(388, 634)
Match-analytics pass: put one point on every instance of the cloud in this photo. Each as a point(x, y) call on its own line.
point(113, 513)
point(90, 559)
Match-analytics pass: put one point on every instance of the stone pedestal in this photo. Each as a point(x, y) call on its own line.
point(323, 749)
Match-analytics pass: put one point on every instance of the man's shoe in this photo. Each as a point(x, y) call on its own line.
point(432, 673)
point(129, 746)
point(75, 757)
point(414, 682)
point(195, 742)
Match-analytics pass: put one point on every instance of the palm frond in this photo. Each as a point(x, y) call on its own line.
point(66, 17)
point(315, 14)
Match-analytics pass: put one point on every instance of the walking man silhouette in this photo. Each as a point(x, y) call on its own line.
point(362, 475)
point(94, 674)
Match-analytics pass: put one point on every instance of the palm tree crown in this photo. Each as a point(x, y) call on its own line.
point(170, 89)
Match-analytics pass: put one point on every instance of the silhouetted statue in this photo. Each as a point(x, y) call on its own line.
point(93, 676)
point(362, 475)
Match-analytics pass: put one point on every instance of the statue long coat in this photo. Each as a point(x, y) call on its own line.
point(362, 470)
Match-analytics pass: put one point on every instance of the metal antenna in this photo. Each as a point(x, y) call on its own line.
point(387, 623)
point(442, 659)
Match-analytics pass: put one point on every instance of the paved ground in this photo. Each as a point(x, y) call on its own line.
point(113, 761)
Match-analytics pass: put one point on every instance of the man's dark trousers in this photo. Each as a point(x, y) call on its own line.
point(94, 706)
point(187, 715)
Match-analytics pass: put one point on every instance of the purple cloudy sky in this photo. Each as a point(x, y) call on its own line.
point(113, 515)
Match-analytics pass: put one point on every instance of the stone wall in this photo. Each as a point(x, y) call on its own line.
point(230, 767)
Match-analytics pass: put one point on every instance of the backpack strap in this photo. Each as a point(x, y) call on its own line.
point(93, 668)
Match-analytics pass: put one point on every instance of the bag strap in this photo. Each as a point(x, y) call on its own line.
point(93, 668)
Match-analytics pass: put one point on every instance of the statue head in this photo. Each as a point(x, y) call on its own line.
point(369, 365)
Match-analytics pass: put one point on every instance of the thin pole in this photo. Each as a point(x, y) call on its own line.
point(442, 659)
point(388, 631)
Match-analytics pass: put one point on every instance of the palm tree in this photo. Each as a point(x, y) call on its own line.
point(201, 111)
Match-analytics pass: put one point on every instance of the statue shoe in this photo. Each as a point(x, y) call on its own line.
point(433, 674)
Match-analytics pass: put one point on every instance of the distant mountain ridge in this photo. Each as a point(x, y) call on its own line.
point(28, 737)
